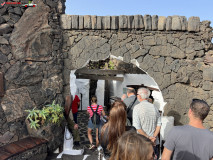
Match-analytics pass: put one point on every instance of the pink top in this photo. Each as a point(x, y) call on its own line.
point(94, 107)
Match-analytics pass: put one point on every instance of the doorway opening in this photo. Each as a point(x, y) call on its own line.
point(110, 78)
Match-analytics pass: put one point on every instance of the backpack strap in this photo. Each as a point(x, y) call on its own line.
point(93, 110)
point(130, 106)
point(97, 109)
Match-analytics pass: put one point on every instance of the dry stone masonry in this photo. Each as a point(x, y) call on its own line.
point(40, 45)
point(32, 63)
point(170, 49)
point(138, 22)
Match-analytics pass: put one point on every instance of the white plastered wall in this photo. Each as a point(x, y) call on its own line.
point(80, 87)
point(116, 87)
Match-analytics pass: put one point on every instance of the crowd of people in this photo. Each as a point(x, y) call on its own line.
point(133, 126)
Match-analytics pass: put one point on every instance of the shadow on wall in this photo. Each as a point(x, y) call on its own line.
point(176, 116)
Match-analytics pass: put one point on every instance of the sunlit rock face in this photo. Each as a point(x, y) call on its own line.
point(31, 35)
point(31, 62)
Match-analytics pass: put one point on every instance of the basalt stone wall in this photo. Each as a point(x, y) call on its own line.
point(170, 49)
point(32, 63)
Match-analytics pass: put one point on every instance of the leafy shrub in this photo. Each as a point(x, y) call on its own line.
point(51, 113)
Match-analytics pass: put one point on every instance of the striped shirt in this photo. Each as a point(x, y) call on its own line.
point(94, 107)
point(146, 117)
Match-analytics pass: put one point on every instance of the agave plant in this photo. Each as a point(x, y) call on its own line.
point(51, 113)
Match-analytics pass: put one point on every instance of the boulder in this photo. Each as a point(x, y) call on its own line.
point(6, 137)
point(154, 22)
point(114, 22)
point(176, 23)
point(81, 22)
point(3, 58)
point(5, 28)
point(31, 36)
point(183, 23)
point(123, 22)
point(148, 22)
point(3, 40)
point(5, 49)
point(161, 23)
point(13, 72)
point(131, 23)
point(194, 24)
point(2, 20)
point(87, 22)
point(30, 74)
point(94, 22)
point(107, 22)
point(54, 82)
point(138, 21)
point(169, 23)
point(75, 22)
point(208, 73)
point(99, 22)
point(66, 21)
point(15, 102)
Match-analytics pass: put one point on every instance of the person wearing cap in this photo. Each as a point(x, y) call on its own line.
point(192, 141)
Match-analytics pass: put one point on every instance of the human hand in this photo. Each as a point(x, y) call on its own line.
point(153, 139)
point(124, 96)
point(76, 126)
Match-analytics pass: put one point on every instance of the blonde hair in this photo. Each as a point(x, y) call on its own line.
point(131, 146)
point(94, 99)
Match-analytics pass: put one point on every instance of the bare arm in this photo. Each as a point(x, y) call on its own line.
point(103, 113)
point(166, 154)
point(157, 131)
point(142, 132)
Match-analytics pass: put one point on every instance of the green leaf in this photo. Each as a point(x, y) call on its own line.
point(34, 124)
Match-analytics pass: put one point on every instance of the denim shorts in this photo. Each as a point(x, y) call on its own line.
point(91, 125)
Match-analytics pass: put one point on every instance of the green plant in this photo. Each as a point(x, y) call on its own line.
point(51, 113)
point(111, 65)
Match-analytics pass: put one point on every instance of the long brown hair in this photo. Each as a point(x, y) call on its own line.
point(132, 146)
point(116, 124)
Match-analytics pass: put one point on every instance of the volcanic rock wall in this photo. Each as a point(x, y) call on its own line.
point(31, 61)
point(40, 45)
point(170, 49)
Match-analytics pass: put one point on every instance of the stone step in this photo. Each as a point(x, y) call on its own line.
point(21, 148)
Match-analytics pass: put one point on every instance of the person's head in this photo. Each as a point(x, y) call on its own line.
point(116, 124)
point(199, 109)
point(143, 93)
point(132, 146)
point(93, 99)
point(117, 113)
point(130, 91)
